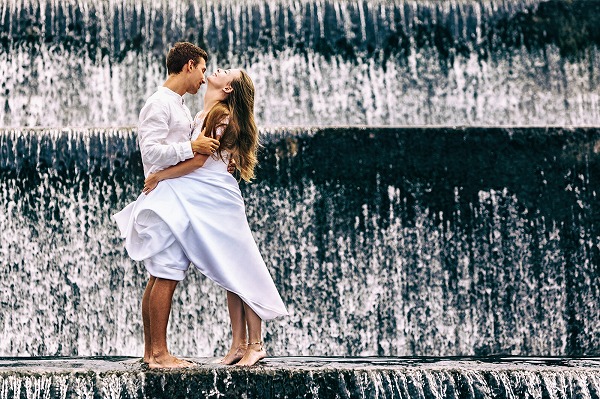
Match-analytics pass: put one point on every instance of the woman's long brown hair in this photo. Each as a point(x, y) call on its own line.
point(241, 134)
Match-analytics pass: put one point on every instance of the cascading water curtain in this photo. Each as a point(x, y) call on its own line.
point(389, 241)
point(346, 62)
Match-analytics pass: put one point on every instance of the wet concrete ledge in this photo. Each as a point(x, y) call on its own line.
point(305, 377)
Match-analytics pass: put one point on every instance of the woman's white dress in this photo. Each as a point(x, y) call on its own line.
point(204, 212)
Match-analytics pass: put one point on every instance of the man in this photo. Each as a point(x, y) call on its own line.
point(165, 126)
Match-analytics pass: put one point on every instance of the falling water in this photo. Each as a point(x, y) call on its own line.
point(492, 62)
point(396, 241)
point(386, 242)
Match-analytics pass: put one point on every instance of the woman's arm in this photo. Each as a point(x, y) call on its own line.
point(187, 166)
point(181, 169)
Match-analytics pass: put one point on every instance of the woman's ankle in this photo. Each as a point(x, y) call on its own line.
point(256, 345)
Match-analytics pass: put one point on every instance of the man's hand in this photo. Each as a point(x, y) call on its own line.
point(204, 145)
point(231, 166)
point(150, 183)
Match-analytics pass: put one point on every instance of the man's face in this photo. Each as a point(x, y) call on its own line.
point(197, 76)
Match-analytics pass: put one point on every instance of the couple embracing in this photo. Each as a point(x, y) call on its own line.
point(191, 210)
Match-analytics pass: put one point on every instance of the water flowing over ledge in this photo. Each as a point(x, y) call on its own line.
point(382, 241)
point(317, 378)
point(465, 62)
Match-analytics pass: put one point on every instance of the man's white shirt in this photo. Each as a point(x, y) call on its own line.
point(164, 130)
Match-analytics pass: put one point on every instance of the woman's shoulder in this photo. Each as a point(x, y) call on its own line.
point(202, 114)
point(219, 111)
point(218, 114)
point(218, 118)
point(199, 118)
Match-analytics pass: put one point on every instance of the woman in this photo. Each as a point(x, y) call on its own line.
point(199, 205)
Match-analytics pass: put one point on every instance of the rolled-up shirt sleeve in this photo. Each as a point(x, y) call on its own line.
point(152, 133)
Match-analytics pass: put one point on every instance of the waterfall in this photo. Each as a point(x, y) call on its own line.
point(349, 62)
point(382, 242)
point(427, 186)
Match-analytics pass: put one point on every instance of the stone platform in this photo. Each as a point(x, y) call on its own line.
point(304, 377)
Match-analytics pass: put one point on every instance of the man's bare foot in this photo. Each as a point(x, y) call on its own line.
point(168, 362)
point(235, 354)
point(253, 355)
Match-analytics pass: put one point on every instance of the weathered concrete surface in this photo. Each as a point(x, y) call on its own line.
point(304, 377)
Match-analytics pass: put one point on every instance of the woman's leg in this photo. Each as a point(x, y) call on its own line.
point(255, 350)
point(146, 320)
point(238, 329)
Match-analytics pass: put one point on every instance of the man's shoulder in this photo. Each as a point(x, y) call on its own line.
point(156, 102)
point(157, 98)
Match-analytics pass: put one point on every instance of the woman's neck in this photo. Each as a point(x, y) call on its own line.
point(210, 101)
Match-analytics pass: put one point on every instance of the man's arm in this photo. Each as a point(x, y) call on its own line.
point(181, 169)
point(153, 131)
point(185, 167)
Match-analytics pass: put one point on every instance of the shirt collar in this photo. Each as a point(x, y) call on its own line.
point(171, 93)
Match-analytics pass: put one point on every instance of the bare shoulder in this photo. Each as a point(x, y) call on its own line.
point(224, 120)
point(199, 115)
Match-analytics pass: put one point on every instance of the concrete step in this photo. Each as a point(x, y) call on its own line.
point(304, 377)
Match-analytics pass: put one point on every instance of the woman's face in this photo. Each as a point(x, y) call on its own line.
point(221, 79)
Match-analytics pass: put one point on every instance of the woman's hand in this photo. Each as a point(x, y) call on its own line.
point(151, 182)
point(205, 145)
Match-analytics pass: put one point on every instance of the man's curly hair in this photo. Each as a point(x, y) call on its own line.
point(181, 53)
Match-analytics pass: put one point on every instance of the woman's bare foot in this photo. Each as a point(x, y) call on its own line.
point(235, 354)
point(168, 362)
point(253, 355)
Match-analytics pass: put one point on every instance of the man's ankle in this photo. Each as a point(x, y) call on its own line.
point(157, 354)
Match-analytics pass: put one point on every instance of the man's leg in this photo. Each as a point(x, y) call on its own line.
point(159, 311)
point(168, 267)
point(146, 320)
